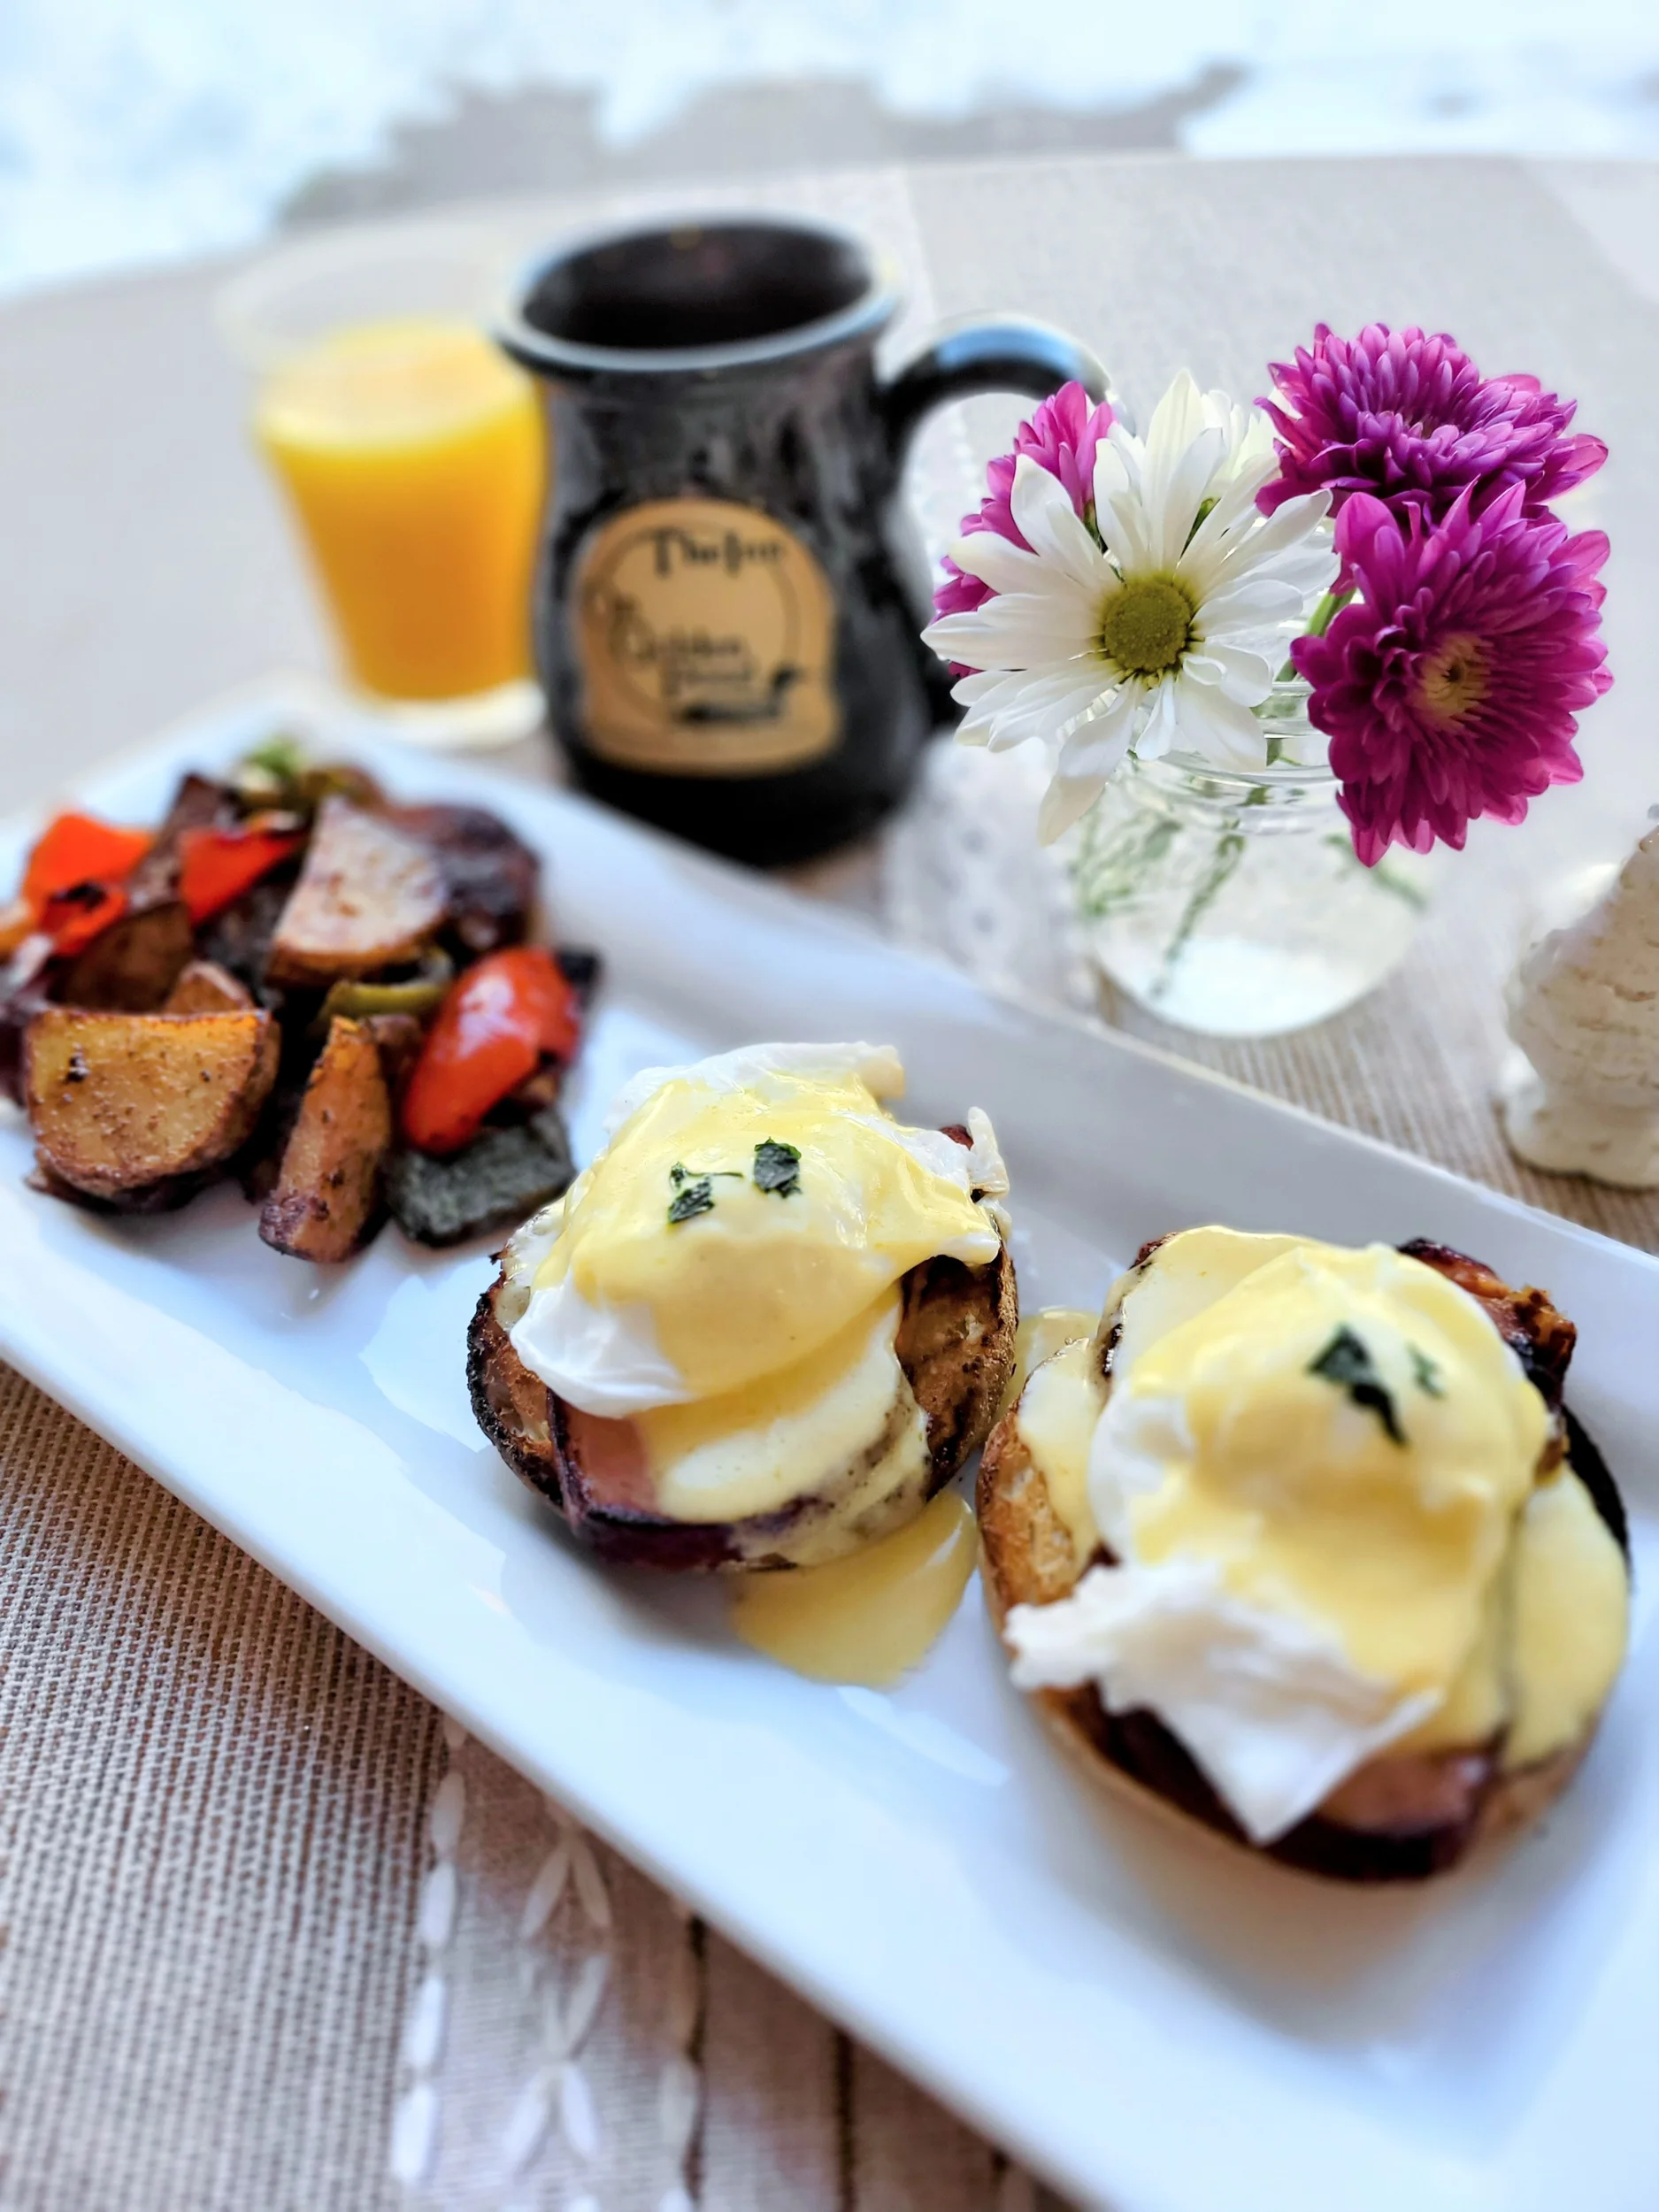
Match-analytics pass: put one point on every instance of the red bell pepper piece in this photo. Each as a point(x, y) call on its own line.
point(80, 848)
point(217, 865)
point(491, 1031)
point(73, 885)
point(72, 918)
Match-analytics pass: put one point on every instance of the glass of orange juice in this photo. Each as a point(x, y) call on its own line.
point(411, 452)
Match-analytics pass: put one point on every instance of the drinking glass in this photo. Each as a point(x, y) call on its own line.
point(411, 454)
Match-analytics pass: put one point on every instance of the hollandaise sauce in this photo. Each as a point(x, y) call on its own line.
point(743, 1225)
point(1058, 1410)
point(1344, 1434)
point(871, 1618)
point(1039, 1336)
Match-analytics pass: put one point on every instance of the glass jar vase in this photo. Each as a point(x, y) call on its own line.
point(1230, 900)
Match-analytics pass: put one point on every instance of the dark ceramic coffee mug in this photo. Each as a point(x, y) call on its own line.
point(729, 594)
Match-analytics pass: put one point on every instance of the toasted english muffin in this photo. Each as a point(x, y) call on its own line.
point(1401, 1817)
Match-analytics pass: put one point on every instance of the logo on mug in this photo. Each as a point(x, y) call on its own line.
point(704, 631)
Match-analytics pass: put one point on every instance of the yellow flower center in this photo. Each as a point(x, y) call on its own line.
point(1454, 680)
point(1148, 626)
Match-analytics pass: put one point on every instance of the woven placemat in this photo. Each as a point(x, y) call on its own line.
point(211, 1808)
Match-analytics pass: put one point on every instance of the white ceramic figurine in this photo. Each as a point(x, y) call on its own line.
point(1584, 1009)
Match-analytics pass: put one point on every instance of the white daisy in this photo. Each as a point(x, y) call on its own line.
point(1161, 634)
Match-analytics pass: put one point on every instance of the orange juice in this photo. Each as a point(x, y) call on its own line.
point(412, 452)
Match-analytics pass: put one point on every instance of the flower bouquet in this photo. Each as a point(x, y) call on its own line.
point(1264, 645)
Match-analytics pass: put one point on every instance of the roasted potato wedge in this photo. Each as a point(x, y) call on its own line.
point(164, 1197)
point(397, 1038)
point(369, 895)
point(1401, 1817)
point(489, 877)
point(120, 1101)
point(327, 1202)
point(204, 988)
point(132, 966)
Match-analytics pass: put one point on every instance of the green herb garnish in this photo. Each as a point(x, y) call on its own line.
point(777, 1168)
point(1426, 1373)
point(693, 1195)
point(1346, 1362)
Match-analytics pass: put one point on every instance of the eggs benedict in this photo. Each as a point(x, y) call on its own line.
point(1301, 1542)
point(767, 1322)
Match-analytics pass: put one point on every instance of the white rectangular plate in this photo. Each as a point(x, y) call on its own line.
point(1155, 2023)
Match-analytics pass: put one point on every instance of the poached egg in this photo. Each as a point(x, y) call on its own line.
point(725, 1276)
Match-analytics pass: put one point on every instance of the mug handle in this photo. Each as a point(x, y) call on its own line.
point(1010, 354)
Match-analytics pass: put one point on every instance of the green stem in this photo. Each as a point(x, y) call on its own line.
point(1323, 615)
point(1229, 852)
point(1382, 875)
point(1327, 610)
point(1111, 869)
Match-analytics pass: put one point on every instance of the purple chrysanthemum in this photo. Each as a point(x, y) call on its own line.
point(1409, 419)
point(1449, 688)
point(960, 593)
point(1062, 437)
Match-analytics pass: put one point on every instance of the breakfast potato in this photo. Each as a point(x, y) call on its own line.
point(120, 1101)
point(133, 965)
point(369, 895)
point(204, 988)
point(489, 878)
point(164, 1197)
point(326, 1201)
